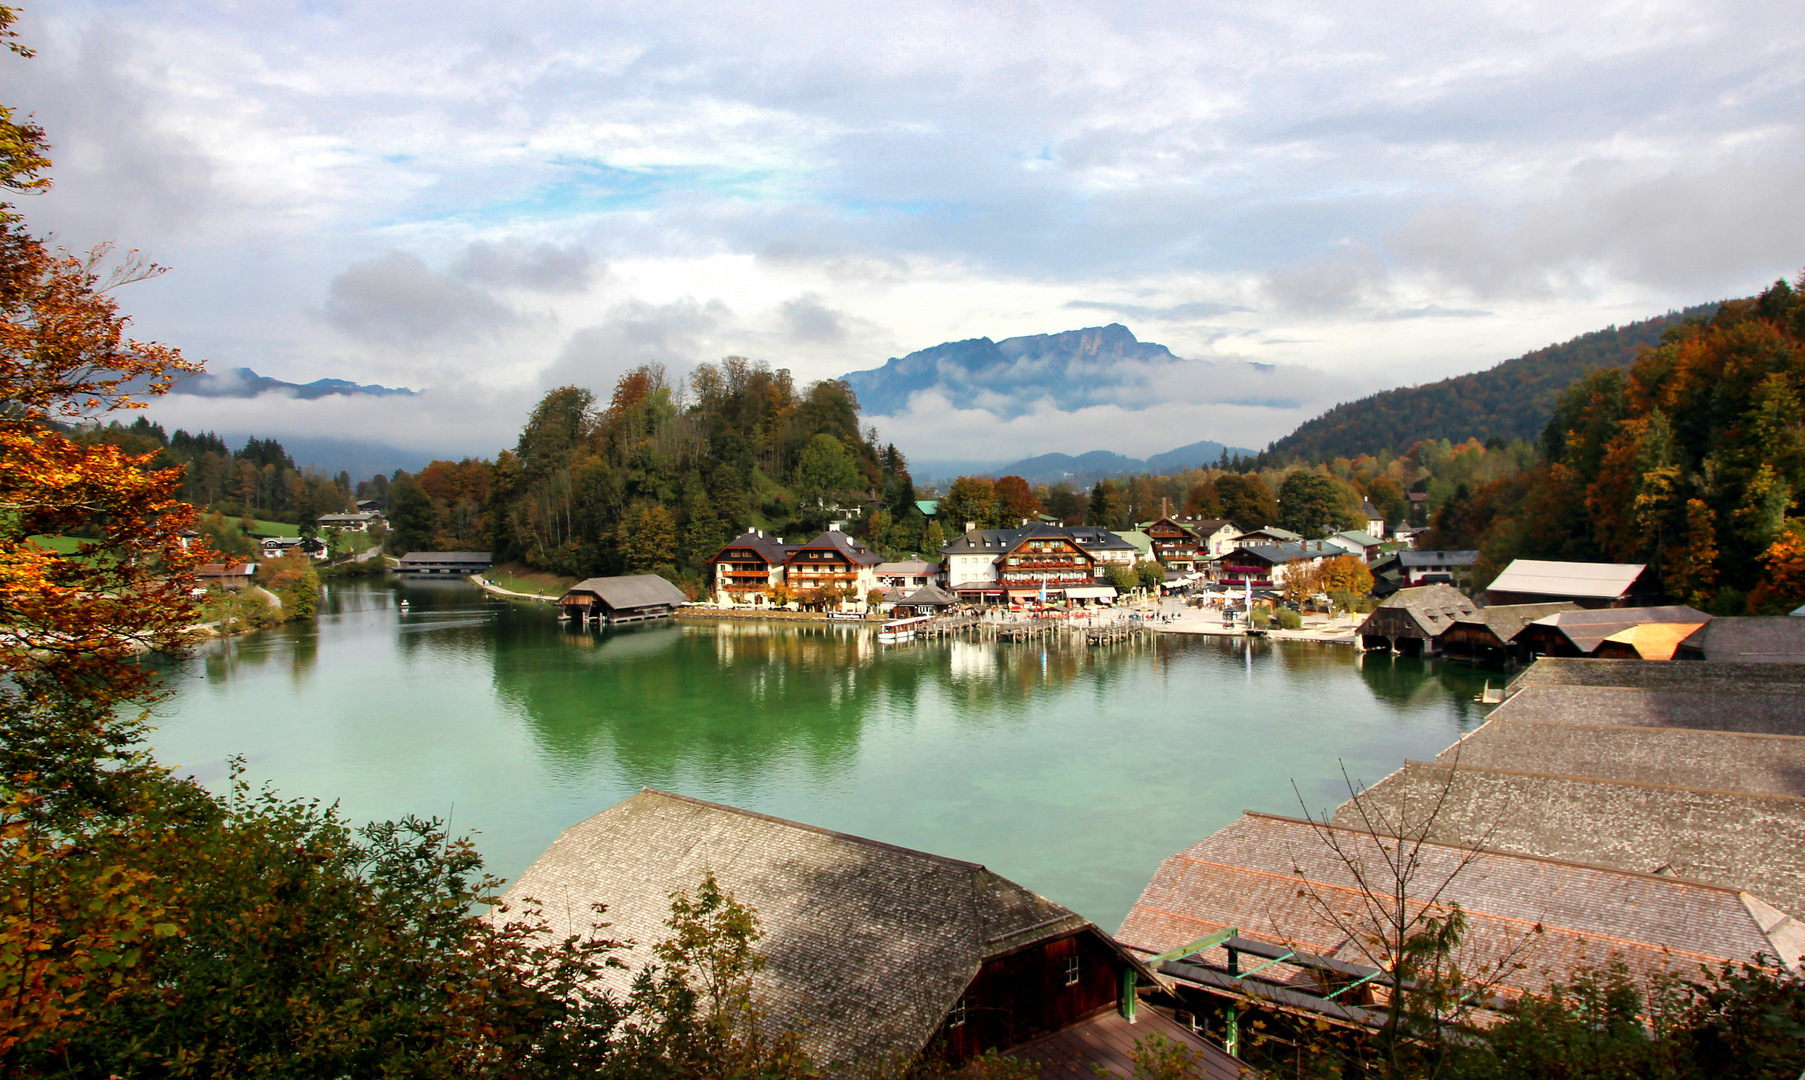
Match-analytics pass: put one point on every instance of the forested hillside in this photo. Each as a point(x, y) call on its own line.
point(663, 474)
point(1510, 401)
point(1692, 461)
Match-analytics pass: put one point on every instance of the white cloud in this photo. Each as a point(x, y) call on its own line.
point(1376, 196)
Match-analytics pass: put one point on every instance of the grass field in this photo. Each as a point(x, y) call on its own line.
point(521, 578)
point(277, 528)
point(64, 544)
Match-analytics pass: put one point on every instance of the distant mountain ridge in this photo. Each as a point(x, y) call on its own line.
point(244, 383)
point(1511, 400)
point(1086, 469)
point(1075, 369)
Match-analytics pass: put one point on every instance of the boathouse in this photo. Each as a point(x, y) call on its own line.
point(1608, 811)
point(1413, 621)
point(1774, 639)
point(1580, 633)
point(445, 562)
point(611, 600)
point(1590, 585)
point(1490, 633)
point(873, 952)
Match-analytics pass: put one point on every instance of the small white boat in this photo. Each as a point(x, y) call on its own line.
point(900, 630)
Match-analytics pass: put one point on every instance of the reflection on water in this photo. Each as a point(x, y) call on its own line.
point(1073, 770)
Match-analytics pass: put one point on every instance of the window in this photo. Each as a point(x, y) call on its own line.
point(956, 1018)
point(1074, 968)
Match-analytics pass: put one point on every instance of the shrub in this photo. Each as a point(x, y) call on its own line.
point(1289, 620)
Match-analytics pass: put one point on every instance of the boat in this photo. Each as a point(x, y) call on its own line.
point(403, 604)
point(899, 630)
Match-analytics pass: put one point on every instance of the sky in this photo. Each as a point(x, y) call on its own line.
point(485, 201)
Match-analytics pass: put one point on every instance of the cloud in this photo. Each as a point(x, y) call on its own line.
point(395, 299)
point(806, 319)
point(513, 264)
point(676, 334)
point(1195, 309)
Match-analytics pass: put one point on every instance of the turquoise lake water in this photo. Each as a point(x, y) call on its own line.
point(1072, 771)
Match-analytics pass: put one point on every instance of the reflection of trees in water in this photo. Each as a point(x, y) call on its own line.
point(1413, 681)
point(733, 703)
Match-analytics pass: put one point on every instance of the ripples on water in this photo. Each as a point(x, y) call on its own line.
point(1073, 771)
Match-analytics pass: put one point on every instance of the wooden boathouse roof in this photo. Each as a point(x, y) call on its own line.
point(1775, 639)
point(1426, 611)
point(1643, 810)
point(868, 945)
point(627, 593)
point(1250, 876)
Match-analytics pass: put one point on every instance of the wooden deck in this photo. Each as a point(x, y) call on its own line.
point(1106, 1040)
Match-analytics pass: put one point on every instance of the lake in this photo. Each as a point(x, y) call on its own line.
point(1073, 771)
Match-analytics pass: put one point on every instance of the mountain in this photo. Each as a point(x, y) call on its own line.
point(1510, 401)
point(1098, 365)
point(1083, 470)
point(243, 383)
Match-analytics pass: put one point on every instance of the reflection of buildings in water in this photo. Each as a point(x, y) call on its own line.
point(971, 659)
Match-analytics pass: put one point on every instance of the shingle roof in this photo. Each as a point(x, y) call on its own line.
point(1777, 639)
point(1740, 840)
point(1364, 539)
point(632, 591)
point(448, 557)
point(1646, 641)
point(982, 542)
point(1250, 874)
point(1278, 554)
point(1505, 620)
point(1275, 533)
point(1603, 581)
point(835, 540)
point(1424, 611)
point(1680, 757)
point(868, 945)
point(927, 595)
point(771, 549)
point(1586, 629)
point(1097, 538)
point(1437, 558)
point(907, 568)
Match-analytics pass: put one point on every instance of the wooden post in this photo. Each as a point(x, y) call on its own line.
point(1232, 1034)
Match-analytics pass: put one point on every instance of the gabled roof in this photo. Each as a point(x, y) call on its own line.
point(1097, 538)
point(1603, 581)
point(928, 507)
point(1276, 533)
point(1421, 559)
point(981, 542)
point(1364, 539)
point(907, 568)
point(1646, 641)
point(225, 570)
point(769, 548)
point(1775, 639)
point(867, 945)
point(1505, 620)
point(1210, 526)
point(1277, 554)
point(1585, 629)
point(1432, 609)
point(1268, 877)
point(1139, 541)
point(926, 595)
point(442, 557)
point(631, 591)
point(835, 540)
point(1369, 511)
